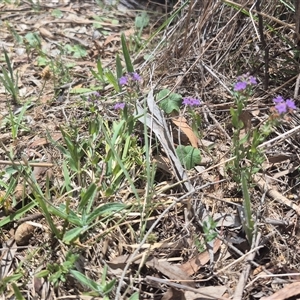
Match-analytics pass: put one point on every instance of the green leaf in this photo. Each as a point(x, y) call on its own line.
point(80, 91)
point(73, 234)
point(112, 80)
point(188, 156)
point(100, 74)
point(33, 39)
point(18, 214)
point(87, 198)
point(86, 281)
point(105, 210)
point(69, 216)
point(43, 273)
point(57, 13)
point(45, 209)
point(134, 296)
point(42, 61)
point(171, 102)
point(12, 278)
point(17, 292)
point(119, 69)
point(141, 20)
point(109, 286)
point(128, 63)
point(79, 51)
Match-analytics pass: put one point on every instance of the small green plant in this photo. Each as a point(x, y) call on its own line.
point(16, 121)
point(33, 40)
point(98, 289)
point(135, 41)
point(199, 245)
point(141, 21)
point(57, 13)
point(248, 156)
point(9, 80)
point(7, 280)
point(77, 51)
point(60, 70)
point(209, 229)
point(247, 147)
point(57, 273)
point(243, 147)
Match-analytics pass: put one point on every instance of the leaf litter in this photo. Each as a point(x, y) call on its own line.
point(202, 49)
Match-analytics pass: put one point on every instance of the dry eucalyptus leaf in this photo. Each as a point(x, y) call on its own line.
point(210, 292)
point(172, 271)
point(181, 123)
point(194, 264)
point(288, 291)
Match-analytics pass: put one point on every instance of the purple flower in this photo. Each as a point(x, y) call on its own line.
point(191, 101)
point(186, 101)
point(119, 106)
point(96, 94)
point(123, 80)
point(278, 99)
point(281, 107)
point(195, 102)
point(252, 80)
point(290, 104)
point(135, 76)
point(93, 98)
point(243, 81)
point(240, 86)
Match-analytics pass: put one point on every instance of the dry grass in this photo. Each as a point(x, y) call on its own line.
point(160, 251)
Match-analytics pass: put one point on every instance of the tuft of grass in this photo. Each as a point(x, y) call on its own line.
point(10, 81)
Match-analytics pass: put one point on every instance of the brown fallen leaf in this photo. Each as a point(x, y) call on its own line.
point(46, 33)
point(43, 141)
point(210, 292)
point(193, 265)
point(173, 294)
point(23, 233)
point(173, 272)
point(288, 291)
point(181, 123)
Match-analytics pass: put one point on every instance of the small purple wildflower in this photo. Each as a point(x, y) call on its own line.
point(240, 86)
point(278, 99)
point(186, 101)
point(97, 95)
point(123, 80)
point(290, 104)
point(93, 98)
point(135, 76)
point(281, 107)
point(243, 81)
point(119, 106)
point(191, 101)
point(252, 80)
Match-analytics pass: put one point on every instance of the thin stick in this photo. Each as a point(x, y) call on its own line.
point(21, 163)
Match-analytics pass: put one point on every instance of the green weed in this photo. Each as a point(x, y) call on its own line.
point(10, 80)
